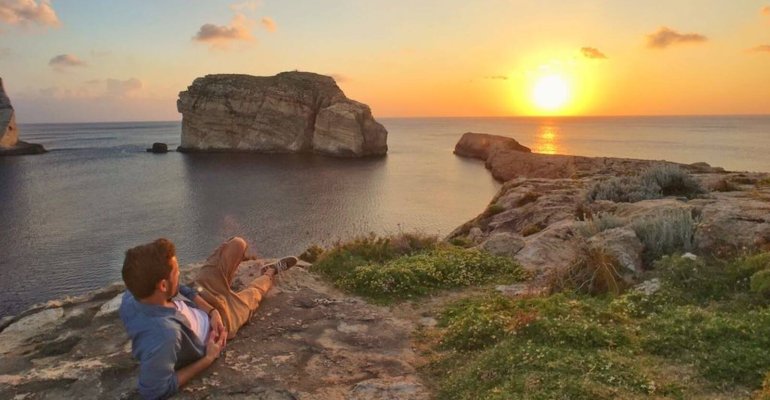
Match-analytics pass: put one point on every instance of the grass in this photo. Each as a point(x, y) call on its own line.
point(703, 334)
point(388, 269)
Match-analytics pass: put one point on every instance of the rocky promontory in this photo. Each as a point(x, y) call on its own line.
point(553, 209)
point(291, 112)
point(9, 133)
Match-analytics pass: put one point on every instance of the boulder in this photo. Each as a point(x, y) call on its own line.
point(9, 133)
point(503, 244)
point(291, 112)
point(623, 245)
point(480, 145)
point(158, 148)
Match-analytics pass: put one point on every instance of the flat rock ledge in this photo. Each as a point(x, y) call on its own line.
point(292, 112)
point(306, 341)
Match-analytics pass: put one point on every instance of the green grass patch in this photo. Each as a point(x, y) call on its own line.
point(391, 269)
point(703, 334)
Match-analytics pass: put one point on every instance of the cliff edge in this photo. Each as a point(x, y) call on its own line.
point(9, 133)
point(291, 112)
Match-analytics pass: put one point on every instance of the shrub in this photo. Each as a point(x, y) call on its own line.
point(342, 258)
point(666, 233)
point(600, 223)
point(426, 272)
point(493, 209)
point(653, 183)
point(596, 271)
point(672, 181)
point(724, 185)
point(312, 253)
point(760, 282)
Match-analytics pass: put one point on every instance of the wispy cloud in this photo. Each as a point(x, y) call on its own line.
point(269, 24)
point(765, 48)
point(27, 12)
point(122, 88)
point(665, 37)
point(63, 61)
point(592, 53)
point(219, 36)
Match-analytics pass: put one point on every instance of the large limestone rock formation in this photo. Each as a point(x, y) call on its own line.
point(9, 133)
point(287, 113)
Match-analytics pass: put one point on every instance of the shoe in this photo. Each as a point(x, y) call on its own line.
point(282, 264)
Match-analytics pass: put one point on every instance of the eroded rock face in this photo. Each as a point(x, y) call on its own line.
point(287, 113)
point(481, 145)
point(9, 133)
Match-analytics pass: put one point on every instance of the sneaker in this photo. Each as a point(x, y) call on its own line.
point(282, 264)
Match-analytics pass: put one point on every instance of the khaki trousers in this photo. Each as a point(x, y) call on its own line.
point(216, 278)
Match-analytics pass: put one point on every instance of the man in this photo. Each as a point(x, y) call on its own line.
point(177, 337)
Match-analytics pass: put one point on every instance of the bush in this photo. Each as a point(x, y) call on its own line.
point(760, 282)
point(600, 223)
point(312, 253)
point(669, 232)
point(342, 258)
point(596, 271)
point(653, 183)
point(493, 209)
point(426, 272)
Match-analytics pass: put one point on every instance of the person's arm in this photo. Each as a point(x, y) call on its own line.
point(213, 348)
point(216, 320)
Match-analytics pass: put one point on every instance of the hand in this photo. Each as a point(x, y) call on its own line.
point(214, 345)
point(217, 327)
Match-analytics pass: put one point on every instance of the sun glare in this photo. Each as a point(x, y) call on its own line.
point(550, 93)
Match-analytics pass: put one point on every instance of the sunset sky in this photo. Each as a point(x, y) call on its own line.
point(89, 60)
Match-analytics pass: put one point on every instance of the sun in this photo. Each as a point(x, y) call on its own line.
point(551, 92)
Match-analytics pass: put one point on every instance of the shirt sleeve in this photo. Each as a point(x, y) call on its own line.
point(157, 377)
point(188, 292)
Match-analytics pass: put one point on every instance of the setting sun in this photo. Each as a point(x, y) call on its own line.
point(550, 92)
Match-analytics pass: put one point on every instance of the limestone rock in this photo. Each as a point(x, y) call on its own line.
point(623, 245)
point(503, 244)
point(288, 113)
point(9, 133)
point(732, 223)
point(481, 145)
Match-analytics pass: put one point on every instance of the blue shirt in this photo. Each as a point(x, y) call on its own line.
point(162, 341)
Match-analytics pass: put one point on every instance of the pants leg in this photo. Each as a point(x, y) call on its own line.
point(216, 277)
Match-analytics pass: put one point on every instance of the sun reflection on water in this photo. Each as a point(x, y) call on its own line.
point(547, 140)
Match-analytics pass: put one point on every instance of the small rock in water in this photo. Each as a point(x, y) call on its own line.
point(158, 148)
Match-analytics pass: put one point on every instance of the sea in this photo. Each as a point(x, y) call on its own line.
point(68, 216)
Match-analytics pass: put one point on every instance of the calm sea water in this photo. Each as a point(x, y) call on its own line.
point(67, 216)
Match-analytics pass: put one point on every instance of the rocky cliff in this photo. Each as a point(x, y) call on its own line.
point(9, 133)
point(287, 113)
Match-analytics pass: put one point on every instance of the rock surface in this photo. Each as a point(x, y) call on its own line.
point(306, 341)
point(542, 218)
point(287, 113)
point(481, 145)
point(9, 132)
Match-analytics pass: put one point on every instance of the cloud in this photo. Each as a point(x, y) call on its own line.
point(65, 61)
point(765, 48)
point(118, 88)
point(592, 53)
point(665, 37)
point(765, 10)
point(95, 89)
point(497, 77)
point(268, 24)
point(26, 12)
point(220, 35)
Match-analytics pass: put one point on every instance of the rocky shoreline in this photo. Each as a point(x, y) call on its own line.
point(310, 341)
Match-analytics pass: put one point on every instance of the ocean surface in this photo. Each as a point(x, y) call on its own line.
point(66, 217)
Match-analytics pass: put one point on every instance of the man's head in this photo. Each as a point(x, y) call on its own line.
point(150, 268)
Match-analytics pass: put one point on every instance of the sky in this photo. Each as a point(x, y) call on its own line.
point(121, 60)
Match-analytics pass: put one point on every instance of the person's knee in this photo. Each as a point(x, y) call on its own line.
point(238, 243)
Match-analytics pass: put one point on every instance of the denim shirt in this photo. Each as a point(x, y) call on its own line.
point(162, 341)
